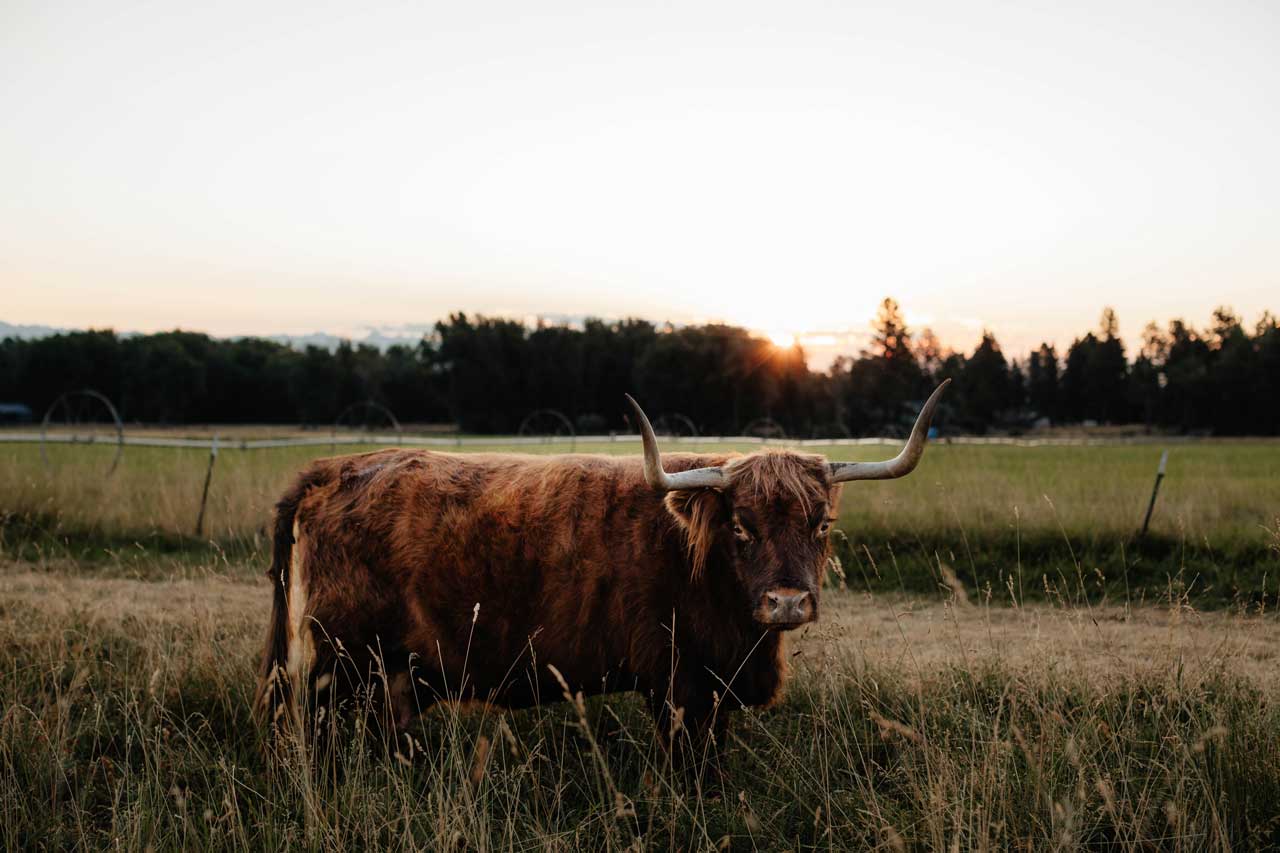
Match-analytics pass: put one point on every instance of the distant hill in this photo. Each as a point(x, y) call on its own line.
point(9, 330)
point(381, 337)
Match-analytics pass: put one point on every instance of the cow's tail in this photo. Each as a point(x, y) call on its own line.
point(274, 697)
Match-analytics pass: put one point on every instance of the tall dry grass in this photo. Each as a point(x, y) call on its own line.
point(126, 724)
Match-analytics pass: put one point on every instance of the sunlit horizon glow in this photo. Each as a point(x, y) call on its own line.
point(782, 340)
point(285, 169)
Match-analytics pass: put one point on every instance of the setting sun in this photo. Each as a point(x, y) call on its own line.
point(783, 340)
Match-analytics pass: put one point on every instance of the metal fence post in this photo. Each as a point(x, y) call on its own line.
point(1146, 522)
point(208, 475)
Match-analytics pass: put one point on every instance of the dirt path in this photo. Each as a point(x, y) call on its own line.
point(916, 636)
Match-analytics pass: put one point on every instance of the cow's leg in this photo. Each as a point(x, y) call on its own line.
point(689, 717)
point(396, 707)
point(371, 687)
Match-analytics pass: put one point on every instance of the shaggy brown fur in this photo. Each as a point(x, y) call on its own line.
point(572, 561)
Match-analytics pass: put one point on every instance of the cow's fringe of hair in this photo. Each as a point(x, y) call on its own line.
point(770, 473)
point(764, 476)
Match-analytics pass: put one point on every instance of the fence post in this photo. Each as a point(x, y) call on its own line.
point(208, 475)
point(1146, 522)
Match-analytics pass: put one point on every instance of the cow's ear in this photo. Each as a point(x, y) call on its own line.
point(694, 505)
point(697, 511)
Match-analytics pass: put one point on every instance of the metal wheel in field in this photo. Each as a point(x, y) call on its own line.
point(82, 417)
point(675, 425)
point(369, 418)
point(766, 428)
point(548, 424)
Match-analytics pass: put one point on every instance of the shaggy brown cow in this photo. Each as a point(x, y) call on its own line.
point(434, 575)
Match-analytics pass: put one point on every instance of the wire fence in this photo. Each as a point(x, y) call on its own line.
point(213, 445)
point(366, 439)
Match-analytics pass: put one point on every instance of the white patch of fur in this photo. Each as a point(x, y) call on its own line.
point(302, 649)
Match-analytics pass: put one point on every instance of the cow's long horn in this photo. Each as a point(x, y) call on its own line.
point(902, 464)
point(698, 478)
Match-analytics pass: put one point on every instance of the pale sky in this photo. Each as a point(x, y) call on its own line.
point(281, 168)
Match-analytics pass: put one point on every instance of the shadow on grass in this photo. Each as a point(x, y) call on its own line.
point(1008, 568)
point(143, 554)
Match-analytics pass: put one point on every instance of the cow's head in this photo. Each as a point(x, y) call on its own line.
point(768, 515)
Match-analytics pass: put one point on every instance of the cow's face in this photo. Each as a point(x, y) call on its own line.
point(769, 527)
point(768, 515)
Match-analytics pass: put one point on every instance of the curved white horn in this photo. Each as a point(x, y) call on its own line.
point(902, 464)
point(698, 478)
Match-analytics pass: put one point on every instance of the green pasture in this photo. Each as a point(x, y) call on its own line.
point(1006, 521)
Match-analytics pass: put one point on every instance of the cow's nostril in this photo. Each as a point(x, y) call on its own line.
point(786, 606)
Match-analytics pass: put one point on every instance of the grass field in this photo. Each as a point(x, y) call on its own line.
point(1003, 666)
point(1008, 521)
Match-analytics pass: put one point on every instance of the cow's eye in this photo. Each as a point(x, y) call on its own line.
point(824, 528)
point(741, 532)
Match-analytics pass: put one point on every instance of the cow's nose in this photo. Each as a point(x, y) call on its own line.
point(787, 607)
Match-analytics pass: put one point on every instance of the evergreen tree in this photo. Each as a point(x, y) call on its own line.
point(1095, 382)
point(1109, 373)
point(1146, 376)
point(1265, 407)
point(1017, 388)
point(985, 390)
point(1236, 381)
point(1188, 381)
point(886, 376)
point(1042, 382)
point(929, 354)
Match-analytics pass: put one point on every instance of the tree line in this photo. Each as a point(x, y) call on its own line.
point(486, 374)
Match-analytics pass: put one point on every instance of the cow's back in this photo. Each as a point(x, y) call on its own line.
point(566, 558)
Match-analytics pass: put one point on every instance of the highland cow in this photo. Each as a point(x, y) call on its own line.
point(416, 576)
